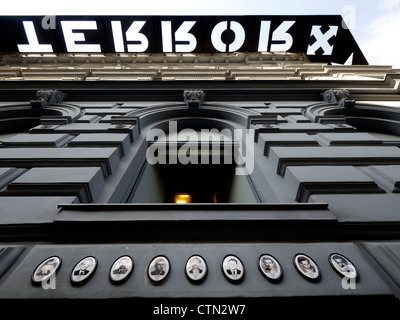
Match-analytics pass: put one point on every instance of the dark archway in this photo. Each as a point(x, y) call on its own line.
point(193, 154)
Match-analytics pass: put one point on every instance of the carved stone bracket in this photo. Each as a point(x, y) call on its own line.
point(325, 114)
point(194, 98)
point(45, 98)
point(340, 97)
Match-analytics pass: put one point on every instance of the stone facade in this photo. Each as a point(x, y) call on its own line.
point(323, 182)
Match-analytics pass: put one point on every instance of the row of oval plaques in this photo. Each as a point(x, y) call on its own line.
point(196, 268)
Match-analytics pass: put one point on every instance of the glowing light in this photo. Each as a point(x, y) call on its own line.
point(183, 198)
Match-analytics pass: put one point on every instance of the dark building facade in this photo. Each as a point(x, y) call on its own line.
point(291, 168)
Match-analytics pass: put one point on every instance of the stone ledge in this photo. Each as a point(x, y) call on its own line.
point(106, 158)
point(86, 183)
point(305, 181)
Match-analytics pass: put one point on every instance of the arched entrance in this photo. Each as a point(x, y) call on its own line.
point(195, 157)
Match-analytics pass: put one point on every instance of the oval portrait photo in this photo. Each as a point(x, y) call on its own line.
point(196, 268)
point(233, 268)
point(121, 269)
point(83, 270)
point(270, 267)
point(306, 267)
point(158, 269)
point(46, 269)
point(342, 265)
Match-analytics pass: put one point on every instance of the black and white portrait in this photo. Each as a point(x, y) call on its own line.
point(342, 265)
point(233, 268)
point(121, 269)
point(46, 269)
point(158, 269)
point(83, 269)
point(306, 266)
point(269, 267)
point(196, 268)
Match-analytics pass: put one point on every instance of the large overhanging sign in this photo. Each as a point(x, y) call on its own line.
point(321, 38)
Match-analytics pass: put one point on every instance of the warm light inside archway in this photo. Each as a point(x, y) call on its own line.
point(183, 198)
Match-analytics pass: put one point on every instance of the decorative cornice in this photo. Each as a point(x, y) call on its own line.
point(179, 66)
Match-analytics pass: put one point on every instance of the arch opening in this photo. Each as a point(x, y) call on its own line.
point(193, 160)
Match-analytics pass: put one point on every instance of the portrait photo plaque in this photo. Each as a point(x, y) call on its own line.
point(306, 267)
point(46, 269)
point(342, 265)
point(270, 267)
point(83, 270)
point(233, 268)
point(121, 269)
point(196, 268)
point(158, 269)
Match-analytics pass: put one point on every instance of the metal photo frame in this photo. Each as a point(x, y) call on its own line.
point(83, 270)
point(121, 269)
point(196, 268)
point(269, 267)
point(158, 269)
point(46, 269)
point(343, 266)
point(306, 267)
point(233, 268)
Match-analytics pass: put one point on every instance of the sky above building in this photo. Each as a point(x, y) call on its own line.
point(375, 24)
